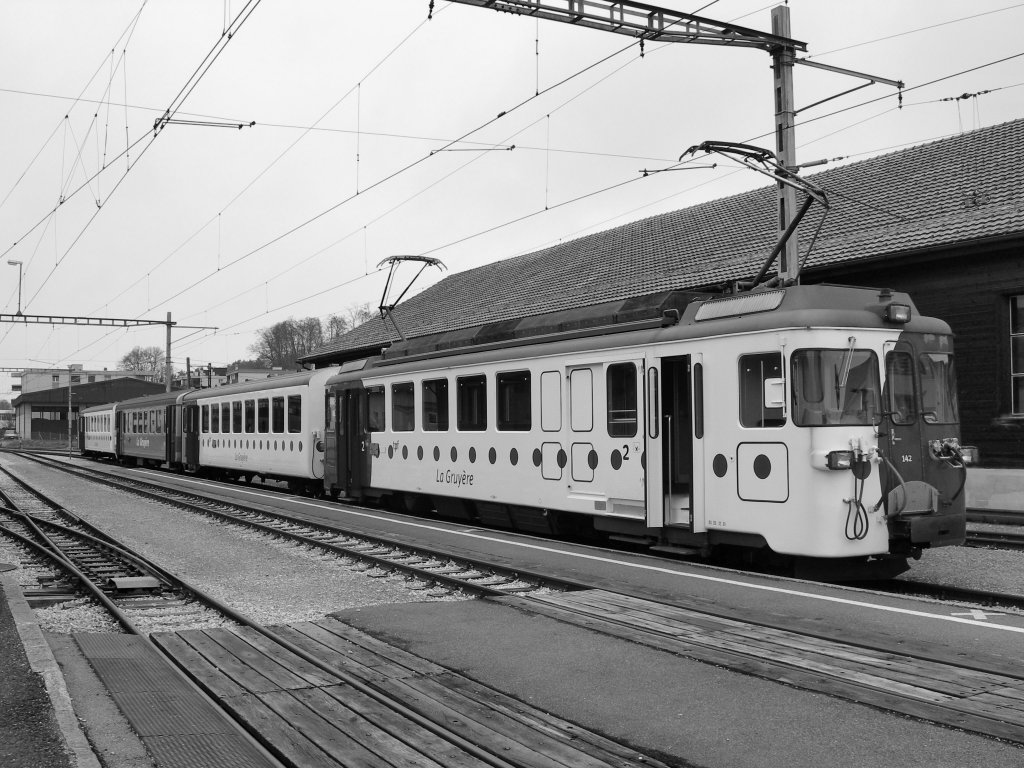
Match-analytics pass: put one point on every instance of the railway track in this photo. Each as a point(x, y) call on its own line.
point(430, 569)
point(140, 595)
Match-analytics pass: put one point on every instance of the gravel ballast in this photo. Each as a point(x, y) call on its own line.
point(270, 580)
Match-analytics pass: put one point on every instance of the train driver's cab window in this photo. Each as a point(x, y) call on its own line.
point(435, 405)
point(835, 387)
point(757, 406)
point(938, 388)
point(403, 407)
point(375, 409)
point(514, 403)
point(471, 403)
point(294, 413)
point(621, 385)
point(901, 400)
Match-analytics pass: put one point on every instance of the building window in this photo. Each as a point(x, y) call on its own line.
point(514, 402)
point(1017, 352)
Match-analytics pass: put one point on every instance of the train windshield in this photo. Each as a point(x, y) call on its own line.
point(833, 387)
point(938, 388)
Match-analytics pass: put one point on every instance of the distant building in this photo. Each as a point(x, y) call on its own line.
point(43, 414)
point(39, 379)
point(237, 375)
point(202, 378)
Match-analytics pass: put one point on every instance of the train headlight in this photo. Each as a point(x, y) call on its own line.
point(840, 459)
point(897, 313)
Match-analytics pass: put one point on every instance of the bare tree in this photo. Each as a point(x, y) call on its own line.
point(144, 360)
point(283, 343)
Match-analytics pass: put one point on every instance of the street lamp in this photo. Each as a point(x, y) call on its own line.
point(16, 263)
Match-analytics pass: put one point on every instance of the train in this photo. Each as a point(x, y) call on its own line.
point(815, 425)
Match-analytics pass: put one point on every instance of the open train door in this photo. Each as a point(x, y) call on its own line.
point(674, 408)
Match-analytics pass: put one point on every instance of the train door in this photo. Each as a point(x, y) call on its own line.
point(350, 440)
point(921, 409)
point(190, 416)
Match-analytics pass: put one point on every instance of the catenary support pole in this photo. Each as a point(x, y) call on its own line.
point(785, 140)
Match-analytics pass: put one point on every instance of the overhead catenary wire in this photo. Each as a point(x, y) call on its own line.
point(191, 83)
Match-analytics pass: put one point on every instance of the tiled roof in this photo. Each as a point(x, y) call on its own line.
point(968, 187)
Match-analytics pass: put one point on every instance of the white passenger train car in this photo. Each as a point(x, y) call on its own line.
point(272, 428)
point(812, 421)
point(97, 434)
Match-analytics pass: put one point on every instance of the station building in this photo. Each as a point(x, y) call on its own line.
point(43, 414)
point(943, 221)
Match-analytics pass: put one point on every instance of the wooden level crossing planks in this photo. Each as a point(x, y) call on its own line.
point(987, 702)
point(312, 718)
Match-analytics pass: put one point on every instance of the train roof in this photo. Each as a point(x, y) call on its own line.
point(960, 189)
point(814, 306)
point(300, 378)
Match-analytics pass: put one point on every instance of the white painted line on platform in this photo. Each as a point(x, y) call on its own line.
point(612, 561)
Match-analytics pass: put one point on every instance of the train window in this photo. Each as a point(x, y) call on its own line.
point(206, 418)
point(835, 386)
point(236, 416)
point(294, 413)
point(754, 370)
point(277, 415)
point(938, 388)
point(471, 403)
point(250, 415)
point(331, 409)
point(551, 401)
point(403, 407)
point(899, 386)
point(215, 418)
point(263, 416)
point(375, 409)
point(622, 419)
point(514, 401)
point(225, 417)
point(435, 405)
point(581, 400)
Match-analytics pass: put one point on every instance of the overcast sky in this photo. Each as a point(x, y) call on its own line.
point(242, 228)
